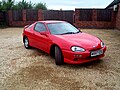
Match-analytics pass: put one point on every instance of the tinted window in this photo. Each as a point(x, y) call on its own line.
point(39, 27)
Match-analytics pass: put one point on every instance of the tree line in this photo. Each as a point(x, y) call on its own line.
point(6, 5)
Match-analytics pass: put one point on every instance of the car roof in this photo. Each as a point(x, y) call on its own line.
point(51, 21)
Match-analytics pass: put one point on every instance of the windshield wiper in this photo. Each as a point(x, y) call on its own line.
point(68, 33)
point(77, 31)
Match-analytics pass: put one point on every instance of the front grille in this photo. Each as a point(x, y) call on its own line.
point(94, 49)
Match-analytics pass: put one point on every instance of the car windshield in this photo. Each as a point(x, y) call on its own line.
point(62, 28)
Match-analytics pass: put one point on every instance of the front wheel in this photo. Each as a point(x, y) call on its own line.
point(26, 43)
point(58, 56)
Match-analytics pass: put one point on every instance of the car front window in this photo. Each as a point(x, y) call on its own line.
point(62, 28)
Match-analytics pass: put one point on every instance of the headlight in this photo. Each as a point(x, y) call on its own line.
point(102, 44)
point(77, 49)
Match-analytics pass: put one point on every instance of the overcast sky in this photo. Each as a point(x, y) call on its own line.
point(72, 4)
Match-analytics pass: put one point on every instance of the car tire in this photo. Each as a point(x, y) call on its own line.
point(58, 56)
point(26, 43)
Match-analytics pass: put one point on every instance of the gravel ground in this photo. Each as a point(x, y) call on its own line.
point(22, 69)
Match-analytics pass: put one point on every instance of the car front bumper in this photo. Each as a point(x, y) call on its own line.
point(80, 57)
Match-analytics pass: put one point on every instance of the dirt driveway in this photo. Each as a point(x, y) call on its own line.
point(22, 69)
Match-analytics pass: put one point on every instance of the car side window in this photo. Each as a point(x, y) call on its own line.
point(40, 27)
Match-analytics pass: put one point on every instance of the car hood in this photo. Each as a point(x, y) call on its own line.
point(84, 40)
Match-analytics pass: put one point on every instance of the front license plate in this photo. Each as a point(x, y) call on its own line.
point(96, 53)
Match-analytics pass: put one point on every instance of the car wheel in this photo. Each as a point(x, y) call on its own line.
point(26, 43)
point(58, 56)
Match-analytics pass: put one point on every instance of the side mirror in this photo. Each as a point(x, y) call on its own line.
point(78, 28)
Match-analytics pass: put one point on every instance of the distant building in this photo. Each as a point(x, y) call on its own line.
point(115, 5)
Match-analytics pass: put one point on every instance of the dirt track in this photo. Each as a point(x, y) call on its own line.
point(22, 69)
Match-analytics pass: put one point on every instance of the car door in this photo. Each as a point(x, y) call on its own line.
point(41, 37)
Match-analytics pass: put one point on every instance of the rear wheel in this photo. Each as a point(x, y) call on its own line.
point(58, 56)
point(26, 43)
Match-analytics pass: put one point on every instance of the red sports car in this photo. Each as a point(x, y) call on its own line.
point(63, 41)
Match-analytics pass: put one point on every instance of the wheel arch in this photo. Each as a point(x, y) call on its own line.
point(52, 50)
point(24, 38)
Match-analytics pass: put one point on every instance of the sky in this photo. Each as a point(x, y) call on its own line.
point(72, 4)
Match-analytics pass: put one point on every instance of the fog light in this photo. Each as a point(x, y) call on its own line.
point(75, 59)
point(77, 56)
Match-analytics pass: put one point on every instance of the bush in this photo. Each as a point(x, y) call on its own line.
point(6, 5)
point(41, 6)
point(23, 5)
point(9, 4)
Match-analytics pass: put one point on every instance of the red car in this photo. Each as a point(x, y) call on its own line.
point(63, 41)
